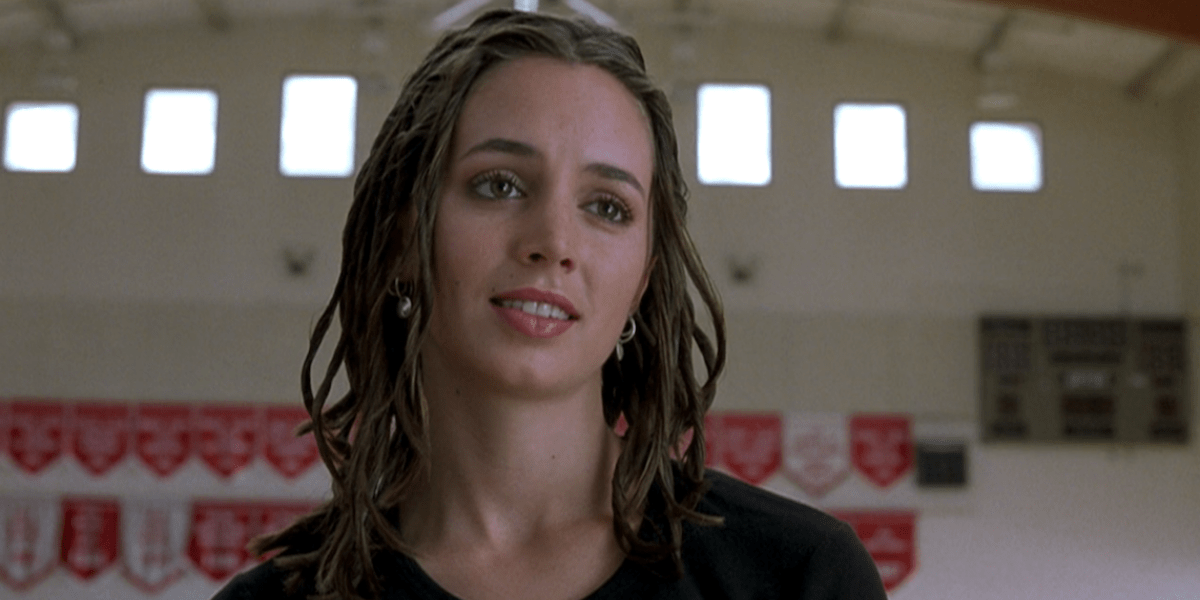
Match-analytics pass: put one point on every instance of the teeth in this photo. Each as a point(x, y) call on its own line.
point(540, 309)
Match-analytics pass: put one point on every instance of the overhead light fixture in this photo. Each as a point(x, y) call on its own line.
point(447, 18)
point(590, 10)
point(460, 11)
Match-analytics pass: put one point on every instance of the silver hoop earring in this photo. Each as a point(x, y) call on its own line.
point(404, 304)
point(626, 336)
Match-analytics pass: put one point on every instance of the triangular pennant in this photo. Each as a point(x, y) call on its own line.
point(153, 540)
point(891, 539)
point(226, 436)
point(164, 440)
point(751, 445)
point(882, 447)
point(29, 528)
point(90, 532)
point(35, 436)
point(100, 436)
point(288, 454)
point(816, 451)
point(220, 532)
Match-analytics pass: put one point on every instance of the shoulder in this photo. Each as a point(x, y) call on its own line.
point(755, 511)
point(263, 582)
point(788, 548)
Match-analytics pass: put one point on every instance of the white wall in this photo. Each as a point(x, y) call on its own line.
point(121, 285)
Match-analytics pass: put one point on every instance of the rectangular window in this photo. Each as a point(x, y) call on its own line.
point(870, 145)
point(41, 136)
point(733, 134)
point(1006, 157)
point(316, 136)
point(179, 132)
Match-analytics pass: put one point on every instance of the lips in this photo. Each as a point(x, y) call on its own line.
point(537, 309)
point(538, 303)
point(535, 313)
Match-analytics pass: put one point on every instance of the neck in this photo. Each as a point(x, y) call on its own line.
point(505, 470)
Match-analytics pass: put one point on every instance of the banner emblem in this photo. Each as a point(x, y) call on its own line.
point(220, 532)
point(153, 536)
point(35, 436)
point(288, 454)
point(816, 451)
point(163, 440)
point(100, 437)
point(751, 445)
point(890, 538)
point(28, 534)
point(226, 436)
point(89, 535)
point(882, 447)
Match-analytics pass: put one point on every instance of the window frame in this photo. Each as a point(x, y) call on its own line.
point(907, 147)
point(1041, 140)
point(216, 146)
point(771, 144)
point(4, 135)
point(354, 129)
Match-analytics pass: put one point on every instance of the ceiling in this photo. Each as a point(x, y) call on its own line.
point(1090, 38)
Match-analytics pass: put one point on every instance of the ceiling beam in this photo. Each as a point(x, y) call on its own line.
point(1143, 83)
point(216, 16)
point(835, 30)
point(988, 51)
point(60, 33)
point(1179, 19)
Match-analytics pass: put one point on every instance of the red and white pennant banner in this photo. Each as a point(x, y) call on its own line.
point(35, 433)
point(222, 529)
point(29, 528)
point(751, 445)
point(90, 529)
point(882, 447)
point(153, 539)
point(163, 436)
point(154, 534)
point(814, 451)
point(891, 539)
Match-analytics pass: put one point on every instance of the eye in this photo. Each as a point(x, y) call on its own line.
point(609, 209)
point(497, 185)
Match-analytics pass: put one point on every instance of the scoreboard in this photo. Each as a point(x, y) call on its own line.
point(1083, 379)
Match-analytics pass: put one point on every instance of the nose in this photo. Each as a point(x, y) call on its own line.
point(548, 234)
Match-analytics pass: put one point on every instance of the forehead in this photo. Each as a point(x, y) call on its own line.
point(546, 100)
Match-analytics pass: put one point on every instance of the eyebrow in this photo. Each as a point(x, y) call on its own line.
point(514, 147)
point(503, 145)
point(608, 171)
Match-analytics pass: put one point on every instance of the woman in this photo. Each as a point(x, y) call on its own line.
point(515, 279)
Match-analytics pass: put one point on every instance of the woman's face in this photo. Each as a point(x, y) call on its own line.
point(541, 243)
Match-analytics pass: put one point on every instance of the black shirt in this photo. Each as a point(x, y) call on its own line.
point(769, 547)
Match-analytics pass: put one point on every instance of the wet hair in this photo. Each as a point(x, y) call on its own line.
point(374, 439)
